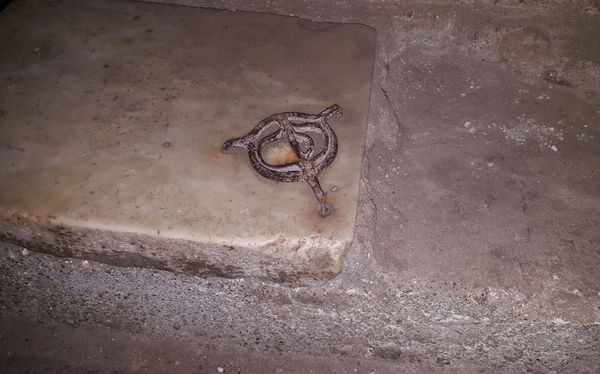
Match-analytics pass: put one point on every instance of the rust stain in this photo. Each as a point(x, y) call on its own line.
point(286, 158)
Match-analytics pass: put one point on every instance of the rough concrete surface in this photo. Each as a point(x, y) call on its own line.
point(477, 247)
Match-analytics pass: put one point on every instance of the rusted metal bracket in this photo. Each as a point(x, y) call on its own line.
point(299, 129)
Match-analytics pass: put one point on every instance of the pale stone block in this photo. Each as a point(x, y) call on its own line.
point(113, 115)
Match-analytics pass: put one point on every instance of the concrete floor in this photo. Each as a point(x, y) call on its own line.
point(477, 246)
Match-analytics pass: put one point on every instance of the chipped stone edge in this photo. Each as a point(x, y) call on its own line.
point(302, 265)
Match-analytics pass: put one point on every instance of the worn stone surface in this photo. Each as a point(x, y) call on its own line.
point(468, 263)
point(112, 130)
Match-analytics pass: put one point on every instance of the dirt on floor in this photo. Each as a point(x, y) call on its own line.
point(477, 246)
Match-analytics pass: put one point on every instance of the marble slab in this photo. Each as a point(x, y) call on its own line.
point(112, 117)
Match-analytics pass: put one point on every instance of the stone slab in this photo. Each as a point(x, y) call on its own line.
point(112, 115)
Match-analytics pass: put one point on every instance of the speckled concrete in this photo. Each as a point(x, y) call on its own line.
point(111, 135)
point(69, 316)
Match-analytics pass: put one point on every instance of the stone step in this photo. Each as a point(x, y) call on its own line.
point(113, 115)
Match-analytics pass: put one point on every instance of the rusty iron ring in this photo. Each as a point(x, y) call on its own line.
point(294, 126)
